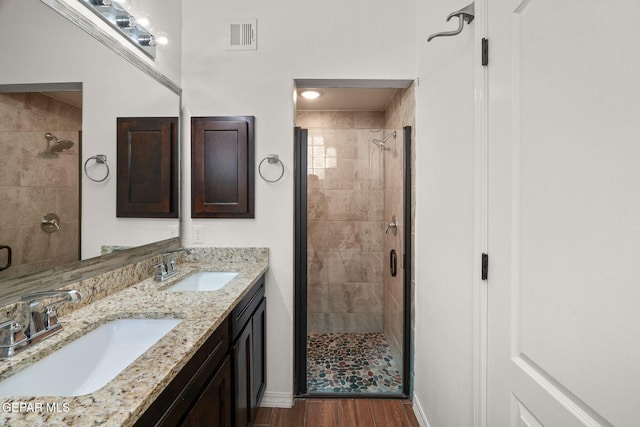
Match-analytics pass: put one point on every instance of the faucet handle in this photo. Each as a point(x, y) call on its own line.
point(11, 336)
point(50, 317)
point(171, 263)
point(161, 271)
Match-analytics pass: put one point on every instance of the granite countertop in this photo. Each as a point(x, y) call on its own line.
point(125, 398)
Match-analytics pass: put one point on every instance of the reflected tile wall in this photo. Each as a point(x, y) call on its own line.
point(33, 182)
point(345, 221)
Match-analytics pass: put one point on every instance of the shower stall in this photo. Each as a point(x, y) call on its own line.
point(355, 210)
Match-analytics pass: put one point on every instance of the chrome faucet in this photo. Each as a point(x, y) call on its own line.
point(168, 268)
point(42, 323)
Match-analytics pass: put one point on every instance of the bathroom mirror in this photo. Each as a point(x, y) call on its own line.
point(43, 53)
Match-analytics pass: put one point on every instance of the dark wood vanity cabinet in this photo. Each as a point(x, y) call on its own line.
point(213, 408)
point(224, 381)
point(248, 323)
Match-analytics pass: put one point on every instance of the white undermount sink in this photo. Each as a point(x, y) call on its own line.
point(90, 362)
point(204, 281)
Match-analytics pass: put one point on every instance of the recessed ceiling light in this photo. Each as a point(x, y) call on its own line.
point(310, 94)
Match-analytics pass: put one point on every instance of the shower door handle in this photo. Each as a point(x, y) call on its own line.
point(393, 263)
point(8, 264)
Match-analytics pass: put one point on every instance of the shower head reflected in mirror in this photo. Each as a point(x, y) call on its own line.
point(58, 145)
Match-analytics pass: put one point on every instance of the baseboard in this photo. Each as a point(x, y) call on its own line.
point(274, 399)
point(419, 411)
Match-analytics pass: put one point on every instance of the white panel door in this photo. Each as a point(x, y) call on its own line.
point(564, 213)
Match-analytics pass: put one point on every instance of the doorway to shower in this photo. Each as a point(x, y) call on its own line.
point(353, 239)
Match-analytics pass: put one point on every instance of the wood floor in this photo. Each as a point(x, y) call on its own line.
point(340, 413)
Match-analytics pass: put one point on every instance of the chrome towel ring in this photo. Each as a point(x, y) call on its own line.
point(271, 159)
point(100, 159)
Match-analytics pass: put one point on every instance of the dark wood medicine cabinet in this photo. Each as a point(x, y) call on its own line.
point(147, 170)
point(222, 167)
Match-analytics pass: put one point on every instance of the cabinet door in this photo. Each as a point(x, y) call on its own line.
point(213, 407)
point(147, 178)
point(222, 167)
point(258, 356)
point(242, 376)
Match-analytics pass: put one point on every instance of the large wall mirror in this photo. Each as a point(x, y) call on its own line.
point(61, 92)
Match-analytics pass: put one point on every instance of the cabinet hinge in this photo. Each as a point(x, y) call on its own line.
point(485, 266)
point(485, 52)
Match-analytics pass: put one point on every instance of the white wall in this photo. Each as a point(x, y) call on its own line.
point(330, 39)
point(443, 387)
point(53, 50)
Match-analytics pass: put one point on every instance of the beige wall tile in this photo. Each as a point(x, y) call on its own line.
point(11, 207)
point(318, 300)
point(45, 183)
point(315, 322)
point(11, 155)
point(368, 119)
point(35, 244)
point(352, 323)
point(341, 177)
point(347, 218)
point(64, 242)
point(67, 205)
point(343, 140)
point(8, 118)
point(355, 298)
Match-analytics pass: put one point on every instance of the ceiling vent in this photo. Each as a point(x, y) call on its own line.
point(242, 35)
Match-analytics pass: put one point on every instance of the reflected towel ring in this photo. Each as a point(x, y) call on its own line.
point(100, 159)
point(272, 159)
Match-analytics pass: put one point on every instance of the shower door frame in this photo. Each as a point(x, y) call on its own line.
point(300, 276)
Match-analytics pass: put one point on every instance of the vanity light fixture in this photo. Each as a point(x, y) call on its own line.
point(310, 94)
point(131, 26)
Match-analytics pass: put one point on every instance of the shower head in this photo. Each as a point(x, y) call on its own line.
point(59, 145)
point(381, 142)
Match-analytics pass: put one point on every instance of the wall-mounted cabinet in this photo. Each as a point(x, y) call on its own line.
point(222, 167)
point(147, 182)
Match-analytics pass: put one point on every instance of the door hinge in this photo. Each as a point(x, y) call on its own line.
point(485, 52)
point(485, 266)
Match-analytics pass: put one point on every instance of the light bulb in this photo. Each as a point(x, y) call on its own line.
point(310, 94)
point(144, 19)
point(122, 4)
point(163, 40)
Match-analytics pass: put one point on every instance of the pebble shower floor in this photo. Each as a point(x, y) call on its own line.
point(351, 363)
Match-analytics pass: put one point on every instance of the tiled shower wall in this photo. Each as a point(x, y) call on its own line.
point(399, 113)
point(33, 183)
point(345, 221)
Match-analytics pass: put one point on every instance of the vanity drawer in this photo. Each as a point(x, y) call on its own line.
point(179, 396)
point(245, 308)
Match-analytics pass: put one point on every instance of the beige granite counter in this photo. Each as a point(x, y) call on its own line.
point(123, 400)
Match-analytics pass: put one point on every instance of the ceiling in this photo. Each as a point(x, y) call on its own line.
point(68, 97)
point(346, 99)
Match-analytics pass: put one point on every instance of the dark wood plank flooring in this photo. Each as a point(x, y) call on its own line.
point(340, 413)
